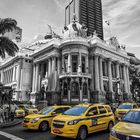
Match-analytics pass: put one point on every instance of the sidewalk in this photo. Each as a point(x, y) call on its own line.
point(15, 122)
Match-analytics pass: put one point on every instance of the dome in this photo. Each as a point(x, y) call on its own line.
point(75, 29)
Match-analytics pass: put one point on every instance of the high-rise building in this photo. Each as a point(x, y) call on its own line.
point(88, 12)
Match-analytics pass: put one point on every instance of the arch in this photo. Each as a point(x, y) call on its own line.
point(85, 90)
point(75, 89)
point(65, 89)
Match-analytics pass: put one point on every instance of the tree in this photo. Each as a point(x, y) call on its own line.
point(6, 45)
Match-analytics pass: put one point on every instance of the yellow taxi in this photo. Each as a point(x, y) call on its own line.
point(19, 113)
point(82, 120)
point(42, 120)
point(128, 128)
point(28, 109)
point(123, 109)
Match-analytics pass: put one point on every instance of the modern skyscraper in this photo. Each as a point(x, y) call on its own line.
point(88, 12)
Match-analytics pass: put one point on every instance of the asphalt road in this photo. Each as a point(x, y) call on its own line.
point(25, 134)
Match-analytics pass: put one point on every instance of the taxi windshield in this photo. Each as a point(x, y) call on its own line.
point(76, 111)
point(132, 117)
point(45, 110)
point(125, 106)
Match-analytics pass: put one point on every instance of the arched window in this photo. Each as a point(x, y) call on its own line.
point(85, 91)
point(65, 89)
point(75, 89)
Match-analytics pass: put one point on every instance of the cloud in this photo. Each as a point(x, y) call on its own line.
point(124, 18)
point(61, 3)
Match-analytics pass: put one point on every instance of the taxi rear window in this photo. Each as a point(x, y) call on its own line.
point(125, 106)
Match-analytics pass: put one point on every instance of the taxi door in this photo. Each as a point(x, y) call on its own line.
point(103, 120)
point(93, 119)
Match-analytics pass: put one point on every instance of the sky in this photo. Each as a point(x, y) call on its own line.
point(34, 16)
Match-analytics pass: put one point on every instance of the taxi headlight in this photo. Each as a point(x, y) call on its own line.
point(35, 120)
point(113, 133)
point(73, 122)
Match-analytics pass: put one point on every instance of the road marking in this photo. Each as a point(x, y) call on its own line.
point(10, 136)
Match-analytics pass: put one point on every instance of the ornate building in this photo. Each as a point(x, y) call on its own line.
point(69, 69)
point(16, 73)
point(77, 68)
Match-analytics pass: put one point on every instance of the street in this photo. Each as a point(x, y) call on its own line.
point(25, 134)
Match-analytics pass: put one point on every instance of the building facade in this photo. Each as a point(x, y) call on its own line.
point(88, 12)
point(71, 69)
point(17, 73)
point(77, 68)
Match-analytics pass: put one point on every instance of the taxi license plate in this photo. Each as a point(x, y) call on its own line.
point(57, 131)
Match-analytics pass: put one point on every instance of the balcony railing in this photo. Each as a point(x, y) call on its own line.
point(75, 74)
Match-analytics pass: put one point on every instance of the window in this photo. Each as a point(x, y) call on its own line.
point(66, 63)
point(108, 108)
point(75, 89)
point(94, 110)
point(44, 69)
point(65, 89)
point(85, 89)
point(59, 110)
point(102, 110)
point(74, 63)
point(105, 68)
point(83, 64)
point(121, 72)
point(113, 69)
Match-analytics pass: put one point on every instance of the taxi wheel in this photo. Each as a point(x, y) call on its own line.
point(44, 126)
point(82, 133)
point(110, 125)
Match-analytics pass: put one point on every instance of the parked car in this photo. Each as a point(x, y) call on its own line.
point(128, 128)
point(42, 120)
point(82, 120)
point(123, 109)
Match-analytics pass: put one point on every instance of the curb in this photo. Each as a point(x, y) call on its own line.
point(15, 122)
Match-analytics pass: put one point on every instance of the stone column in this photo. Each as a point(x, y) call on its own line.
point(97, 86)
point(92, 74)
point(37, 76)
point(49, 67)
point(19, 76)
point(53, 64)
point(62, 64)
point(13, 78)
point(110, 75)
point(33, 82)
point(58, 65)
point(101, 74)
point(117, 70)
point(87, 67)
point(2, 76)
point(125, 78)
point(80, 64)
point(128, 81)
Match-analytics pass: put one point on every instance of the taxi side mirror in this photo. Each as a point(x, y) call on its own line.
point(53, 113)
point(90, 114)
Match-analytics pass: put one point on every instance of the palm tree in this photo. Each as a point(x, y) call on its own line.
point(6, 45)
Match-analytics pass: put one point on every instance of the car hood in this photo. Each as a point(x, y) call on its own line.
point(127, 128)
point(66, 117)
point(35, 116)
